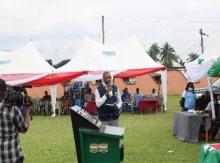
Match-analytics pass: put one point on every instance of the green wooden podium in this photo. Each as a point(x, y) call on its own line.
point(102, 146)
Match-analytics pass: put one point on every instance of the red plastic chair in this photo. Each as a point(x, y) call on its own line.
point(91, 107)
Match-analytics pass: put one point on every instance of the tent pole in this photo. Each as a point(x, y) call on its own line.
point(212, 98)
point(113, 81)
point(53, 91)
point(103, 30)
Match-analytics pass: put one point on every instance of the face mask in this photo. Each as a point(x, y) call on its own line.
point(190, 89)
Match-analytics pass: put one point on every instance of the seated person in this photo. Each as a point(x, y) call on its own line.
point(215, 121)
point(137, 98)
point(203, 101)
point(126, 100)
point(154, 94)
point(66, 103)
point(46, 103)
point(46, 97)
point(89, 97)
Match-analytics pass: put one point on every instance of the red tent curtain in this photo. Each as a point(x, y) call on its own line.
point(55, 78)
point(138, 72)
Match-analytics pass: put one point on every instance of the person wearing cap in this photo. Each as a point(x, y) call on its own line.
point(108, 101)
point(12, 123)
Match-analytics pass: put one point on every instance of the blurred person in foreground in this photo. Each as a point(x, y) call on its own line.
point(204, 100)
point(12, 123)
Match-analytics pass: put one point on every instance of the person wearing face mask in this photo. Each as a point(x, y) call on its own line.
point(189, 97)
point(215, 125)
point(108, 101)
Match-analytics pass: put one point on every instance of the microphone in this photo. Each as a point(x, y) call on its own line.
point(109, 85)
point(110, 93)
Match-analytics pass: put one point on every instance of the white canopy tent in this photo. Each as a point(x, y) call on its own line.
point(123, 59)
point(199, 68)
point(126, 58)
point(24, 65)
point(124, 55)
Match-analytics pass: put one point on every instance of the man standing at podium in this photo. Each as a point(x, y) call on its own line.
point(108, 101)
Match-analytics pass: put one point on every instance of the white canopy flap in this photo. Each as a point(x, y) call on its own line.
point(26, 59)
point(92, 76)
point(200, 67)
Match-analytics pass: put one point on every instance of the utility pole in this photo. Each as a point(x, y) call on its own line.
point(209, 79)
point(202, 39)
point(103, 30)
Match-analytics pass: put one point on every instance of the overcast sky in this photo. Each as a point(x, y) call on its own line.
point(57, 27)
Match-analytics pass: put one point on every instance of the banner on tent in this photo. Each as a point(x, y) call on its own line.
point(4, 62)
point(109, 53)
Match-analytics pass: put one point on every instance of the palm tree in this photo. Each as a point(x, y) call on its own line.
point(168, 55)
point(192, 57)
point(154, 51)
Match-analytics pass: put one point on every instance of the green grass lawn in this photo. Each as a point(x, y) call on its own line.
point(148, 138)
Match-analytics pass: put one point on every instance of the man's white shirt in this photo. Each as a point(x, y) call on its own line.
point(101, 100)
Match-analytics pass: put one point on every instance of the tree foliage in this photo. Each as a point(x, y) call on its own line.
point(154, 51)
point(192, 56)
point(168, 55)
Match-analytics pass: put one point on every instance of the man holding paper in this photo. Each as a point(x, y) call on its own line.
point(108, 101)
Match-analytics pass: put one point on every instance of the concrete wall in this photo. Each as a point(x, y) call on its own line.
point(145, 83)
point(38, 92)
point(176, 82)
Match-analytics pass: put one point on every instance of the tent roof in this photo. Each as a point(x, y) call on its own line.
point(23, 65)
point(26, 59)
point(26, 65)
point(121, 56)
